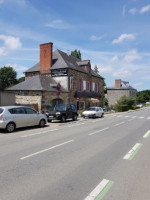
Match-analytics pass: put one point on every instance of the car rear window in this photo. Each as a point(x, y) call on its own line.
point(1, 110)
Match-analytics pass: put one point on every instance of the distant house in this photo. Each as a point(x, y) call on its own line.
point(59, 78)
point(122, 88)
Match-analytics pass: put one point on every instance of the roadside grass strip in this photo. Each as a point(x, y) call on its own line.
point(147, 134)
point(42, 151)
point(98, 131)
point(133, 151)
point(38, 133)
point(100, 190)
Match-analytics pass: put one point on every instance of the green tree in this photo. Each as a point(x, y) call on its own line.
point(76, 54)
point(143, 96)
point(126, 101)
point(96, 69)
point(105, 101)
point(7, 77)
point(21, 80)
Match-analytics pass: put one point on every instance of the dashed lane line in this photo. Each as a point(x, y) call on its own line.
point(38, 133)
point(147, 134)
point(44, 150)
point(75, 125)
point(98, 131)
point(133, 151)
point(119, 123)
point(100, 190)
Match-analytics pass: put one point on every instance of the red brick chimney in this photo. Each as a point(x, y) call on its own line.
point(118, 84)
point(46, 53)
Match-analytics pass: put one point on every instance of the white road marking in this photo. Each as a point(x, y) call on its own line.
point(98, 189)
point(146, 134)
point(75, 125)
point(130, 120)
point(119, 116)
point(110, 117)
point(126, 116)
point(134, 117)
point(148, 118)
point(58, 145)
point(119, 123)
point(97, 120)
point(33, 134)
point(141, 117)
point(128, 155)
point(98, 131)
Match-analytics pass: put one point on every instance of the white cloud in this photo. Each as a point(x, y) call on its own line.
point(59, 24)
point(115, 58)
point(105, 69)
point(93, 37)
point(133, 11)
point(3, 51)
point(145, 9)
point(10, 42)
point(17, 67)
point(122, 73)
point(131, 56)
point(123, 37)
point(138, 84)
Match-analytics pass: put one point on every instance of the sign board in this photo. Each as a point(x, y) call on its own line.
point(59, 72)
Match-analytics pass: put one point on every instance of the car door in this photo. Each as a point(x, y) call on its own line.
point(31, 117)
point(18, 116)
point(69, 112)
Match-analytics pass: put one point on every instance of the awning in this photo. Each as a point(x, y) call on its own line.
point(93, 100)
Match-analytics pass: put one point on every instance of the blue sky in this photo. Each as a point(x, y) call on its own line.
point(114, 35)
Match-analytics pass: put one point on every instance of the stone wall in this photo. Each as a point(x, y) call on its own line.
point(29, 98)
point(114, 95)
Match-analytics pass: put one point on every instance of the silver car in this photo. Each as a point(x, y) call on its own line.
point(12, 117)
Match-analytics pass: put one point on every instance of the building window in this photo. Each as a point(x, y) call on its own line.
point(71, 82)
point(93, 86)
point(84, 85)
point(88, 86)
point(96, 87)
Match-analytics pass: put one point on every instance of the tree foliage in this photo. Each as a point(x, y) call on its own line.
point(143, 96)
point(96, 69)
point(7, 77)
point(76, 54)
point(125, 103)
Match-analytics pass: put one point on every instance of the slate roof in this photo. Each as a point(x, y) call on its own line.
point(124, 86)
point(36, 83)
point(61, 61)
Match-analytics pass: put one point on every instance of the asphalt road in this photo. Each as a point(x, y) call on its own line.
point(106, 158)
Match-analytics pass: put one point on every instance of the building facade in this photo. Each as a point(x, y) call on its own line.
point(122, 88)
point(59, 78)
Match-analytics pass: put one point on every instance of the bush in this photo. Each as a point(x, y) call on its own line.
point(80, 111)
point(121, 108)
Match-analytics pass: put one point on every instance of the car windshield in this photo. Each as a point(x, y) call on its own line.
point(60, 107)
point(91, 109)
point(1, 110)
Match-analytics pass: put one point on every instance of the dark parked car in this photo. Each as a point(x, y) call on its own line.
point(63, 112)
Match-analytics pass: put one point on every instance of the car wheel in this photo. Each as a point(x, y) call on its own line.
point(49, 120)
point(10, 127)
point(42, 123)
point(63, 119)
point(75, 118)
point(94, 116)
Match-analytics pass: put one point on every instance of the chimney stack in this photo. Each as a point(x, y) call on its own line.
point(118, 84)
point(46, 53)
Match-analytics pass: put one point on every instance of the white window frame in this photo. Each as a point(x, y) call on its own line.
point(84, 85)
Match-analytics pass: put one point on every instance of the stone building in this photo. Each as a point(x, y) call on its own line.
point(59, 78)
point(122, 88)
